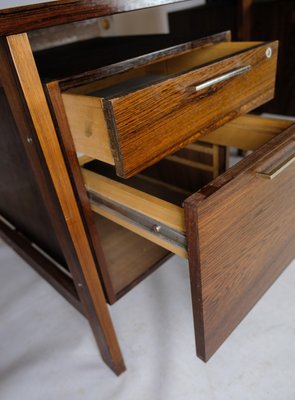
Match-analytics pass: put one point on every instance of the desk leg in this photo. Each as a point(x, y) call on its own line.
point(25, 95)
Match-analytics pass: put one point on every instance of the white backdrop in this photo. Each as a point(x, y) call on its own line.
point(15, 3)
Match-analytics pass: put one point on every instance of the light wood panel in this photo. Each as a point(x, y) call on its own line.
point(88, 127)
point(160, 210)
point(247, 132)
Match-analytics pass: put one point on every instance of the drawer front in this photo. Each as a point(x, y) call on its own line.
point(150, 123)
point(241, 236)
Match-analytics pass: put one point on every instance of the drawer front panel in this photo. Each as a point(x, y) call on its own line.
point(241, 236)
point(153, 122)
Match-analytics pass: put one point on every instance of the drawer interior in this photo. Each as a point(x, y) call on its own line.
point(72, 59)
point(84, 103)
point(140, 77)
point(130, 257)
point(150, 204)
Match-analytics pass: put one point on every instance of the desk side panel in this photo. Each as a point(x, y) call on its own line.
point(20, 199)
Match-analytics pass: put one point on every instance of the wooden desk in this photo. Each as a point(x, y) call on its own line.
point(45, 212)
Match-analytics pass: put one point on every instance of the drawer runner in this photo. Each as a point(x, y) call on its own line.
point(142, 222)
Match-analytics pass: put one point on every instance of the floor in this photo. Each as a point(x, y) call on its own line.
point(47, 350)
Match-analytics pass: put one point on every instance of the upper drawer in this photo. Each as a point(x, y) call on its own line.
point(166, 100)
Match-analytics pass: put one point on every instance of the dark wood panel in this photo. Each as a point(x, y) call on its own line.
point(276, 19)
point(20, 198)
point(205, 20)
point(36, 16)
point(241, 236)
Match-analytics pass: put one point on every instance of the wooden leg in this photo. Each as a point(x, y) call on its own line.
point(25, 95)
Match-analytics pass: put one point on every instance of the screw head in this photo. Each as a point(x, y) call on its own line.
point(156, 228)
point(106, 24)
point(268, 52)
point(29, 140)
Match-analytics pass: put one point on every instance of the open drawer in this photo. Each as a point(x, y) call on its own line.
point(136, 112)
point(238, 231)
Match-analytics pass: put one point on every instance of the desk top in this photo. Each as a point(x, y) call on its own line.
point(42, 15)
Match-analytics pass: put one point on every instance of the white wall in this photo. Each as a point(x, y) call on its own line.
point(15, 3)
point(149, 21)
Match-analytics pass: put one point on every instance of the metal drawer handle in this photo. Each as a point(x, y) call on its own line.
point(223, 78)
point(278, 169)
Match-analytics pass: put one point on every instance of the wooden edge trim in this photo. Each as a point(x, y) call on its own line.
point(191, 220)
point(34, 97)
point(63, 129)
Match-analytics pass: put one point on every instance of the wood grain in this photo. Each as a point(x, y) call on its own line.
point(129, 256)
point(247, 132)
point(144, 203)
point(158, 110)
point(63, 130)
point(241, 236)
point(88, 127)
point(145, 125)
point(86, 280)
point(85, 113)
point(36, 16)
point(21, 200)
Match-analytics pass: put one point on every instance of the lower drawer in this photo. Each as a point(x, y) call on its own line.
point(238, 231)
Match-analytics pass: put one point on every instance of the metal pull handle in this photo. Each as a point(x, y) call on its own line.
point(278, 169)
point(223, 78)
